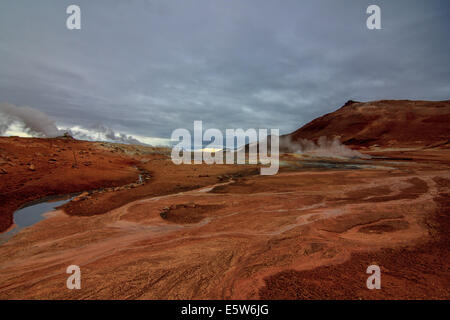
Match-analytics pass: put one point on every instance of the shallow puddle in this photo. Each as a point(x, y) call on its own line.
point(33, 213)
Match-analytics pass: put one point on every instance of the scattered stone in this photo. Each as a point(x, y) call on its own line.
point(32, 167)
point(82, 196)
point(3, 171)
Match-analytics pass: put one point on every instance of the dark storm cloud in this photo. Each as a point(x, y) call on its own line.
point(148, 67)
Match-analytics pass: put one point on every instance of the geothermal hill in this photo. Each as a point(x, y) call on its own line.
point(387, 123)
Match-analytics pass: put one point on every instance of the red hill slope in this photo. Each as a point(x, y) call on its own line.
point(385, 123)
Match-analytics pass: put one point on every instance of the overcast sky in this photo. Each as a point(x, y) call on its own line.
point(147, 67)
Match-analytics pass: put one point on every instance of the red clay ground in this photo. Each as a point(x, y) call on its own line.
point(33, 168)
point(306, 233)
point(418, 272)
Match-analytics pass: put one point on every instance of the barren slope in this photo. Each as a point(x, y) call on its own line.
point(385, 123)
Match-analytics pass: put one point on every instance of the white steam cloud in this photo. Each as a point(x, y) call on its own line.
point(324, 147)
point(100, 132)
point(31, 121)
point(38, 124)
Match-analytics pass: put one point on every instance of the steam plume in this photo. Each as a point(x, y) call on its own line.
point(39, 124)
point(102, 133)
point(33, 122)
point(327, 148)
